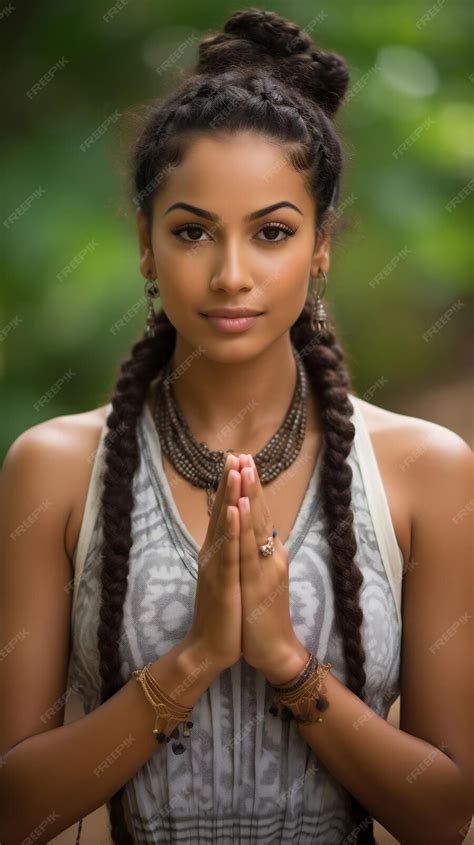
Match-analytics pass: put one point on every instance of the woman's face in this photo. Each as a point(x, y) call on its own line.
point(262, 263)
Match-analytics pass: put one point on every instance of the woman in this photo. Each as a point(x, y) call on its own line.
point(236, 177)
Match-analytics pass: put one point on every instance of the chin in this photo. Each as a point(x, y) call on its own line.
point(230, 349)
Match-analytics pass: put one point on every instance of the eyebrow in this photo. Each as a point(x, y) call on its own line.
point(209, 215)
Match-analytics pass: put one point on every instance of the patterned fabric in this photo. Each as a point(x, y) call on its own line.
point(246, 776)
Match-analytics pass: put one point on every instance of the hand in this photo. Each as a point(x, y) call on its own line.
point(268, 637)
point(217, 622)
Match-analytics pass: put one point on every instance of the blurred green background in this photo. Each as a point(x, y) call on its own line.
point(400, 285)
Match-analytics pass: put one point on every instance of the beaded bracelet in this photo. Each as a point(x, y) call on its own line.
point(297, 682)
point(305, 690)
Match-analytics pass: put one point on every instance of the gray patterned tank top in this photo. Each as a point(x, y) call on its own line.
point(246, 776)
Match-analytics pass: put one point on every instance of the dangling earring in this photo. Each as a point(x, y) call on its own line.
point(318, 320)
point(151, 291)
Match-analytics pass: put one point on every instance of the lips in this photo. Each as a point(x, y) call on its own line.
point(232, 313)
point(232, 324)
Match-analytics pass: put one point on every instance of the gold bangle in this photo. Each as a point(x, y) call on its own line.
point(165, 708)
point(153, 684)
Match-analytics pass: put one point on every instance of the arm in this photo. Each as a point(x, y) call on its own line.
point(417, 781)
point(91, 757)
point(53, 773)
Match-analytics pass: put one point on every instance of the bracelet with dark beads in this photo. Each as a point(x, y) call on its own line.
point(321, 703)
point(310, 666)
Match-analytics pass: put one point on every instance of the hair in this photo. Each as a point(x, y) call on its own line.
point(265, 74)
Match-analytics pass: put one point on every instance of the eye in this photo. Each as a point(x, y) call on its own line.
point(278, 227)
point(270, 227)
point(193, 227)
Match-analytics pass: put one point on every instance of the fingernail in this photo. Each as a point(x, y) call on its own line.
point(251, 476)
point(245, 504)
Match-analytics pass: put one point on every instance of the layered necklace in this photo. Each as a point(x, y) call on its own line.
point(203, 467)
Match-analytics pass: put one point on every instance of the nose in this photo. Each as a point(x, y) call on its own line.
point(232, 273)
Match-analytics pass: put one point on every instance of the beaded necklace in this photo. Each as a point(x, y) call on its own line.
point(203, 467)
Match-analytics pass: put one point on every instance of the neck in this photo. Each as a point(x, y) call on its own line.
point(239, 405)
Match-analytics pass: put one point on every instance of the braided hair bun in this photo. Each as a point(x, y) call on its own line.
point(259, 38)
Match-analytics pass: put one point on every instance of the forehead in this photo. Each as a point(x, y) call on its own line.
point(239, 172)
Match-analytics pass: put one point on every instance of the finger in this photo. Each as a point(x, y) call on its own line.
point(231, 492)
point(248, 544)
point(262, 520)
point(229, 571)
point(216, 532)
point(219, 497)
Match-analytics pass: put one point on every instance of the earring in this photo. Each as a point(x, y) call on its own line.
point(151, 292)
point(318, 320)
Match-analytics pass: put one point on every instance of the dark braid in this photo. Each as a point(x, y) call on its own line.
point(328, 374)
point(121, 460)
point(264, 74)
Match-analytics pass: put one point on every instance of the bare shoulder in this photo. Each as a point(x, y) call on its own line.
point(58, 454)
point(410, 438)
point(416, 458)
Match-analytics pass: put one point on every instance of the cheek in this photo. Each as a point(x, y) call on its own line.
point(290, 304)
point(286, 303)
point(181, 279)
point(290, 266)
point(288, 289)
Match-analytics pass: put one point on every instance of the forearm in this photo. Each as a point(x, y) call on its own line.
point(64, 774)
point(411, 787)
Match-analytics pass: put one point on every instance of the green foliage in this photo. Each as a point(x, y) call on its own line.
point(401, 264)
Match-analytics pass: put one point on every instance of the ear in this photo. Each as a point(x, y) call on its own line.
point(147, 261)
point(320, 259)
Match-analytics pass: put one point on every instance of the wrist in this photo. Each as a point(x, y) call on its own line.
point(197, 663)
point(287, 665)
point(184, 673)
